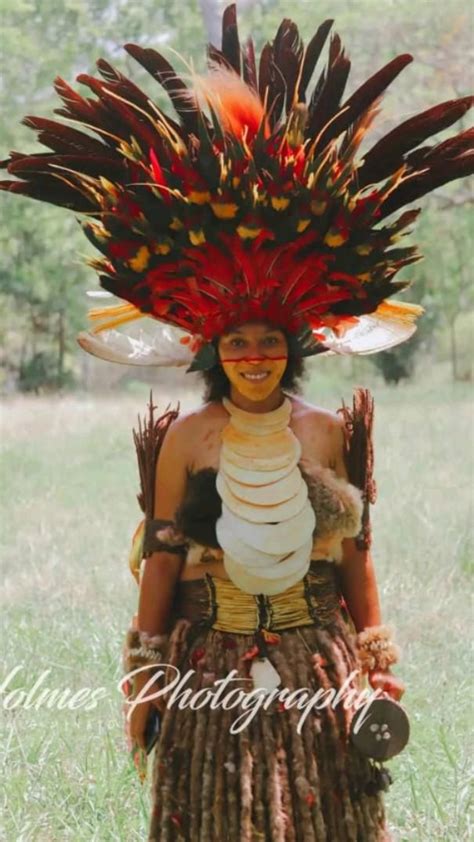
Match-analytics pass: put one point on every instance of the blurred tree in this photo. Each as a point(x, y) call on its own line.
point(42, 282)
point(441, 283)
point(42, 279)
point(211, 11)
point(452, 287)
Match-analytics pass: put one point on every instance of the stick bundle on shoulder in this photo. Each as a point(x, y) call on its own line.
point(148, 440)
point(359, 455)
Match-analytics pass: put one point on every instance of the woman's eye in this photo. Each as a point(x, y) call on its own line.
point(236, 343)
point(271, 340)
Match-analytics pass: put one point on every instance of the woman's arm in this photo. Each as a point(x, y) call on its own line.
point(359, 585)
point(160, 570)
point(358, 581)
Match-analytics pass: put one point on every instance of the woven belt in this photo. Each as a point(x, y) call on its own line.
point(313, 600)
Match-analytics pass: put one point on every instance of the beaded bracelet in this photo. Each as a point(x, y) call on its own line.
point(376, 649)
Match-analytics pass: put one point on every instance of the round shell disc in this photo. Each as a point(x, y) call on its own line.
point(266, 495)
point(267, 446)
point(254, 584)
point(273, 537)
point(260, 463)
point(276, 417)
point(258, 562)
point(257, 427)
point(383, 728)
point(254, 478)
point(262, 514)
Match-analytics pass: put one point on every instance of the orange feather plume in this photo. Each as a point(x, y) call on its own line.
point(239, 108)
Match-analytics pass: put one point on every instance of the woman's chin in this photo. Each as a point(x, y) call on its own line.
point(256, 392)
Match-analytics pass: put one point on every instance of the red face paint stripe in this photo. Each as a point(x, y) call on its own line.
point(251, 359)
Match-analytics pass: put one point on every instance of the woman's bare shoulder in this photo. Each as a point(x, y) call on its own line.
point(308, 413)
point(321, 432)
point(193, 420)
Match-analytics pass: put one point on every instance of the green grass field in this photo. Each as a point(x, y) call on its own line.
point(69, 484)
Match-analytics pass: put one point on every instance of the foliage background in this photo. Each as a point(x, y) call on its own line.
point(42, 276)
point(68, 467)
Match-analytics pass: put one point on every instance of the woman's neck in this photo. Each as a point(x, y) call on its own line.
point(270, 403)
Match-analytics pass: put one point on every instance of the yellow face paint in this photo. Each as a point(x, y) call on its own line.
point(254, 358)
point(240, 372)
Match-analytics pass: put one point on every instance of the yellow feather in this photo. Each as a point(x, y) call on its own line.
point(116, 315)
point(402, 311)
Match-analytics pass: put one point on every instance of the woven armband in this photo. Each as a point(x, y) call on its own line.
point(163, 536)
point(142, 649)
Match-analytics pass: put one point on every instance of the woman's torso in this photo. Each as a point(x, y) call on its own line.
point(314, 428)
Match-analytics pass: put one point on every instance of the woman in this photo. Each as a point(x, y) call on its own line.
point(250, 225)
point(268, 781)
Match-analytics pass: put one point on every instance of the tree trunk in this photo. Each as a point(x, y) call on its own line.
point(453, 347)
point(61, 347)
point(211, 14)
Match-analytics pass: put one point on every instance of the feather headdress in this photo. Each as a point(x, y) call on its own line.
point(251, 202)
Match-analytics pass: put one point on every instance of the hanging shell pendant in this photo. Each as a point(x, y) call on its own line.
point(264, 675)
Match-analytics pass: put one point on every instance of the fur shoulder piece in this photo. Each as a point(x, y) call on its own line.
point(337, 503)
point(359, 455)
point(201, 507)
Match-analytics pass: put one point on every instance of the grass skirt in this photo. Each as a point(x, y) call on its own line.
point(267, 783)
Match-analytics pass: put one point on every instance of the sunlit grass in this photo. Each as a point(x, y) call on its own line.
point(69, 484)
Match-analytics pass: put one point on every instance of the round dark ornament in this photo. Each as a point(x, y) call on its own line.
point(384, 731)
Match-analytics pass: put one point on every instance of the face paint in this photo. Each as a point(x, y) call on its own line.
point(266, 373)
point(254, 358)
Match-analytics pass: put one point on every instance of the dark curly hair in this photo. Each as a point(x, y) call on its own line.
point(217, 384)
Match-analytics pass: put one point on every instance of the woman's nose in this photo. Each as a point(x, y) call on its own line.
point(255, 359)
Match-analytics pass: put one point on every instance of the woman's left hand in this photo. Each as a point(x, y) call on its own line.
point(387, 682)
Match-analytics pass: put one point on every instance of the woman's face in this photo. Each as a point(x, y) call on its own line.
point(254, 357)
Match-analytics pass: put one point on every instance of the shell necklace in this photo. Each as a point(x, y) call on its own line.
point(267, 522)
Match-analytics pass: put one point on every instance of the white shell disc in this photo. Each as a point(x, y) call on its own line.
point(266, 447)
point(252, 583)
point(245, 554)
point(254, 478)
point(273, 537)
point(266, 495)
point(258, 424)
point(262, 514)
point(276, 417)
point(266, 566)
point(260, 463)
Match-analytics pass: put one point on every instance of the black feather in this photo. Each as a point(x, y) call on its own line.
point(365, 96)
point(250, 65)
point(311, 57)
point(388, 154)
point(326, 100)
point(230, 38)
point(61, 138)
point(165, 74)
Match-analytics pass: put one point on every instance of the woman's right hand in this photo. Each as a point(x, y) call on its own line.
point(386, 681)
point(140, 712)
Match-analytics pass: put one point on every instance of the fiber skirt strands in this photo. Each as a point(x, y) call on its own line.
point(267, 783)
